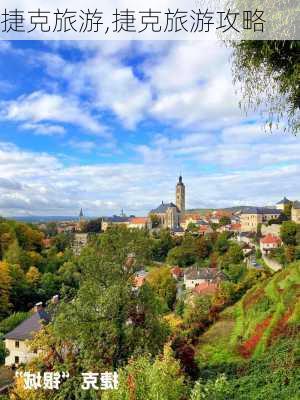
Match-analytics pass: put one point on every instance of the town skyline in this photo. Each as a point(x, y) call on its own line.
point(73, 139)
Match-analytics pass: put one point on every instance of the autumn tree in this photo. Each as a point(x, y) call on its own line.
point(5, 285)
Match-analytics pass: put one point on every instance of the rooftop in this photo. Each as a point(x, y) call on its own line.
point(162, 208)
point(270, 239)
point(194, 273)
point(29, 327)
point(284, 201)
point(260, 210)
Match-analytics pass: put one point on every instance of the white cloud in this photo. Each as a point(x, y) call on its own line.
point(37, 183)
point(44, 129)
point(44, 107)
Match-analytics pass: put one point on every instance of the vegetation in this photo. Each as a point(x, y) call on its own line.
point(268, 72)
point(164, 341)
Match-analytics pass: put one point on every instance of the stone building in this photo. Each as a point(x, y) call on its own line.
point(296, 212)
point(282, 203)
point(252, 216)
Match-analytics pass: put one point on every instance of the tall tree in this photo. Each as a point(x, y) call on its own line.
point(268, 72)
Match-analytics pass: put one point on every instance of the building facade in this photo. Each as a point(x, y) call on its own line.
point(16, 341)
point(296, 212)
point(251, 217)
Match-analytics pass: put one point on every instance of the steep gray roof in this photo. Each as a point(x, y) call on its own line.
point(162, 208)
point(29, 327)
point(116, 219)
point(260, 210)
point(284, 201)
point(204, 273)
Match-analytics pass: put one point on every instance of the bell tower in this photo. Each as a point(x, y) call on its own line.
point(180, 195)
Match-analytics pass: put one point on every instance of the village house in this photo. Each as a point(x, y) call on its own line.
point(16, 341)
point(251, 217)
point(138, 222)
point(296, 212)
point(115, 220)
point(269, 242)
point(195, 276)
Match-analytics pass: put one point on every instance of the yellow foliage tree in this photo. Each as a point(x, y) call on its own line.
point(5, 286)
point(33, 276)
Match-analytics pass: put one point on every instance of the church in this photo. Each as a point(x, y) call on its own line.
point(171, 214)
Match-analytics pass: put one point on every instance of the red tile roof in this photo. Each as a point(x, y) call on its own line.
point(139, 281)
point(236, 227)
point(270, 239)
point(138, 220)
point(177, 271)
point(205, 288)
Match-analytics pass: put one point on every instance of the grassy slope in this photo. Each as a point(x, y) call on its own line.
point(267, 312)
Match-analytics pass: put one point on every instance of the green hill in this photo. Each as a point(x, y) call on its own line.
point(256, 341)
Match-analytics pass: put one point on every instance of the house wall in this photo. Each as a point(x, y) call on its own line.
point(296, 215)
point(191, 283)
point(249, 222)
point(23, 352)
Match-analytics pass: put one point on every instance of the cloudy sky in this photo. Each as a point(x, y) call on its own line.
point(110, 125)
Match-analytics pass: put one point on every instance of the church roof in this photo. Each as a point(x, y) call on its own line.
point(260, 210)
point(162, 208)
point(284, 201)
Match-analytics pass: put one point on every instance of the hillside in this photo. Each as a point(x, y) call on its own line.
point(256, 341)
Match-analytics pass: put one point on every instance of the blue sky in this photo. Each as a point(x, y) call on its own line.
point(110, 125)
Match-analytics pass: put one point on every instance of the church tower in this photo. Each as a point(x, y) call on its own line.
point(180, 195)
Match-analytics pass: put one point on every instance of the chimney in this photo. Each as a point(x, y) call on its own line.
point(38, 307)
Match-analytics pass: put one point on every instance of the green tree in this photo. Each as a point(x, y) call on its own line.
point(163, 284)
point(108, 320)
point(277, 65)
point(143, 379)
point(224, 220)
point(288, 232)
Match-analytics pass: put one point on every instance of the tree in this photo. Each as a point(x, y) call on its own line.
point(203, 248)
point(197, 311)
point(161, 245)
point(163, 284)
point(288, 232)
point(222, 243)
point(108, 320)
point(268, 72)
point(218, 389)
point(143, 379)
point(182, 256)
point(224, 220)
point(33, 276)
point(5, 286)
point(155, 220)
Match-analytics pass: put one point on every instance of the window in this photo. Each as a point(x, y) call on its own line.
point(17, 360)
point(17, 344)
